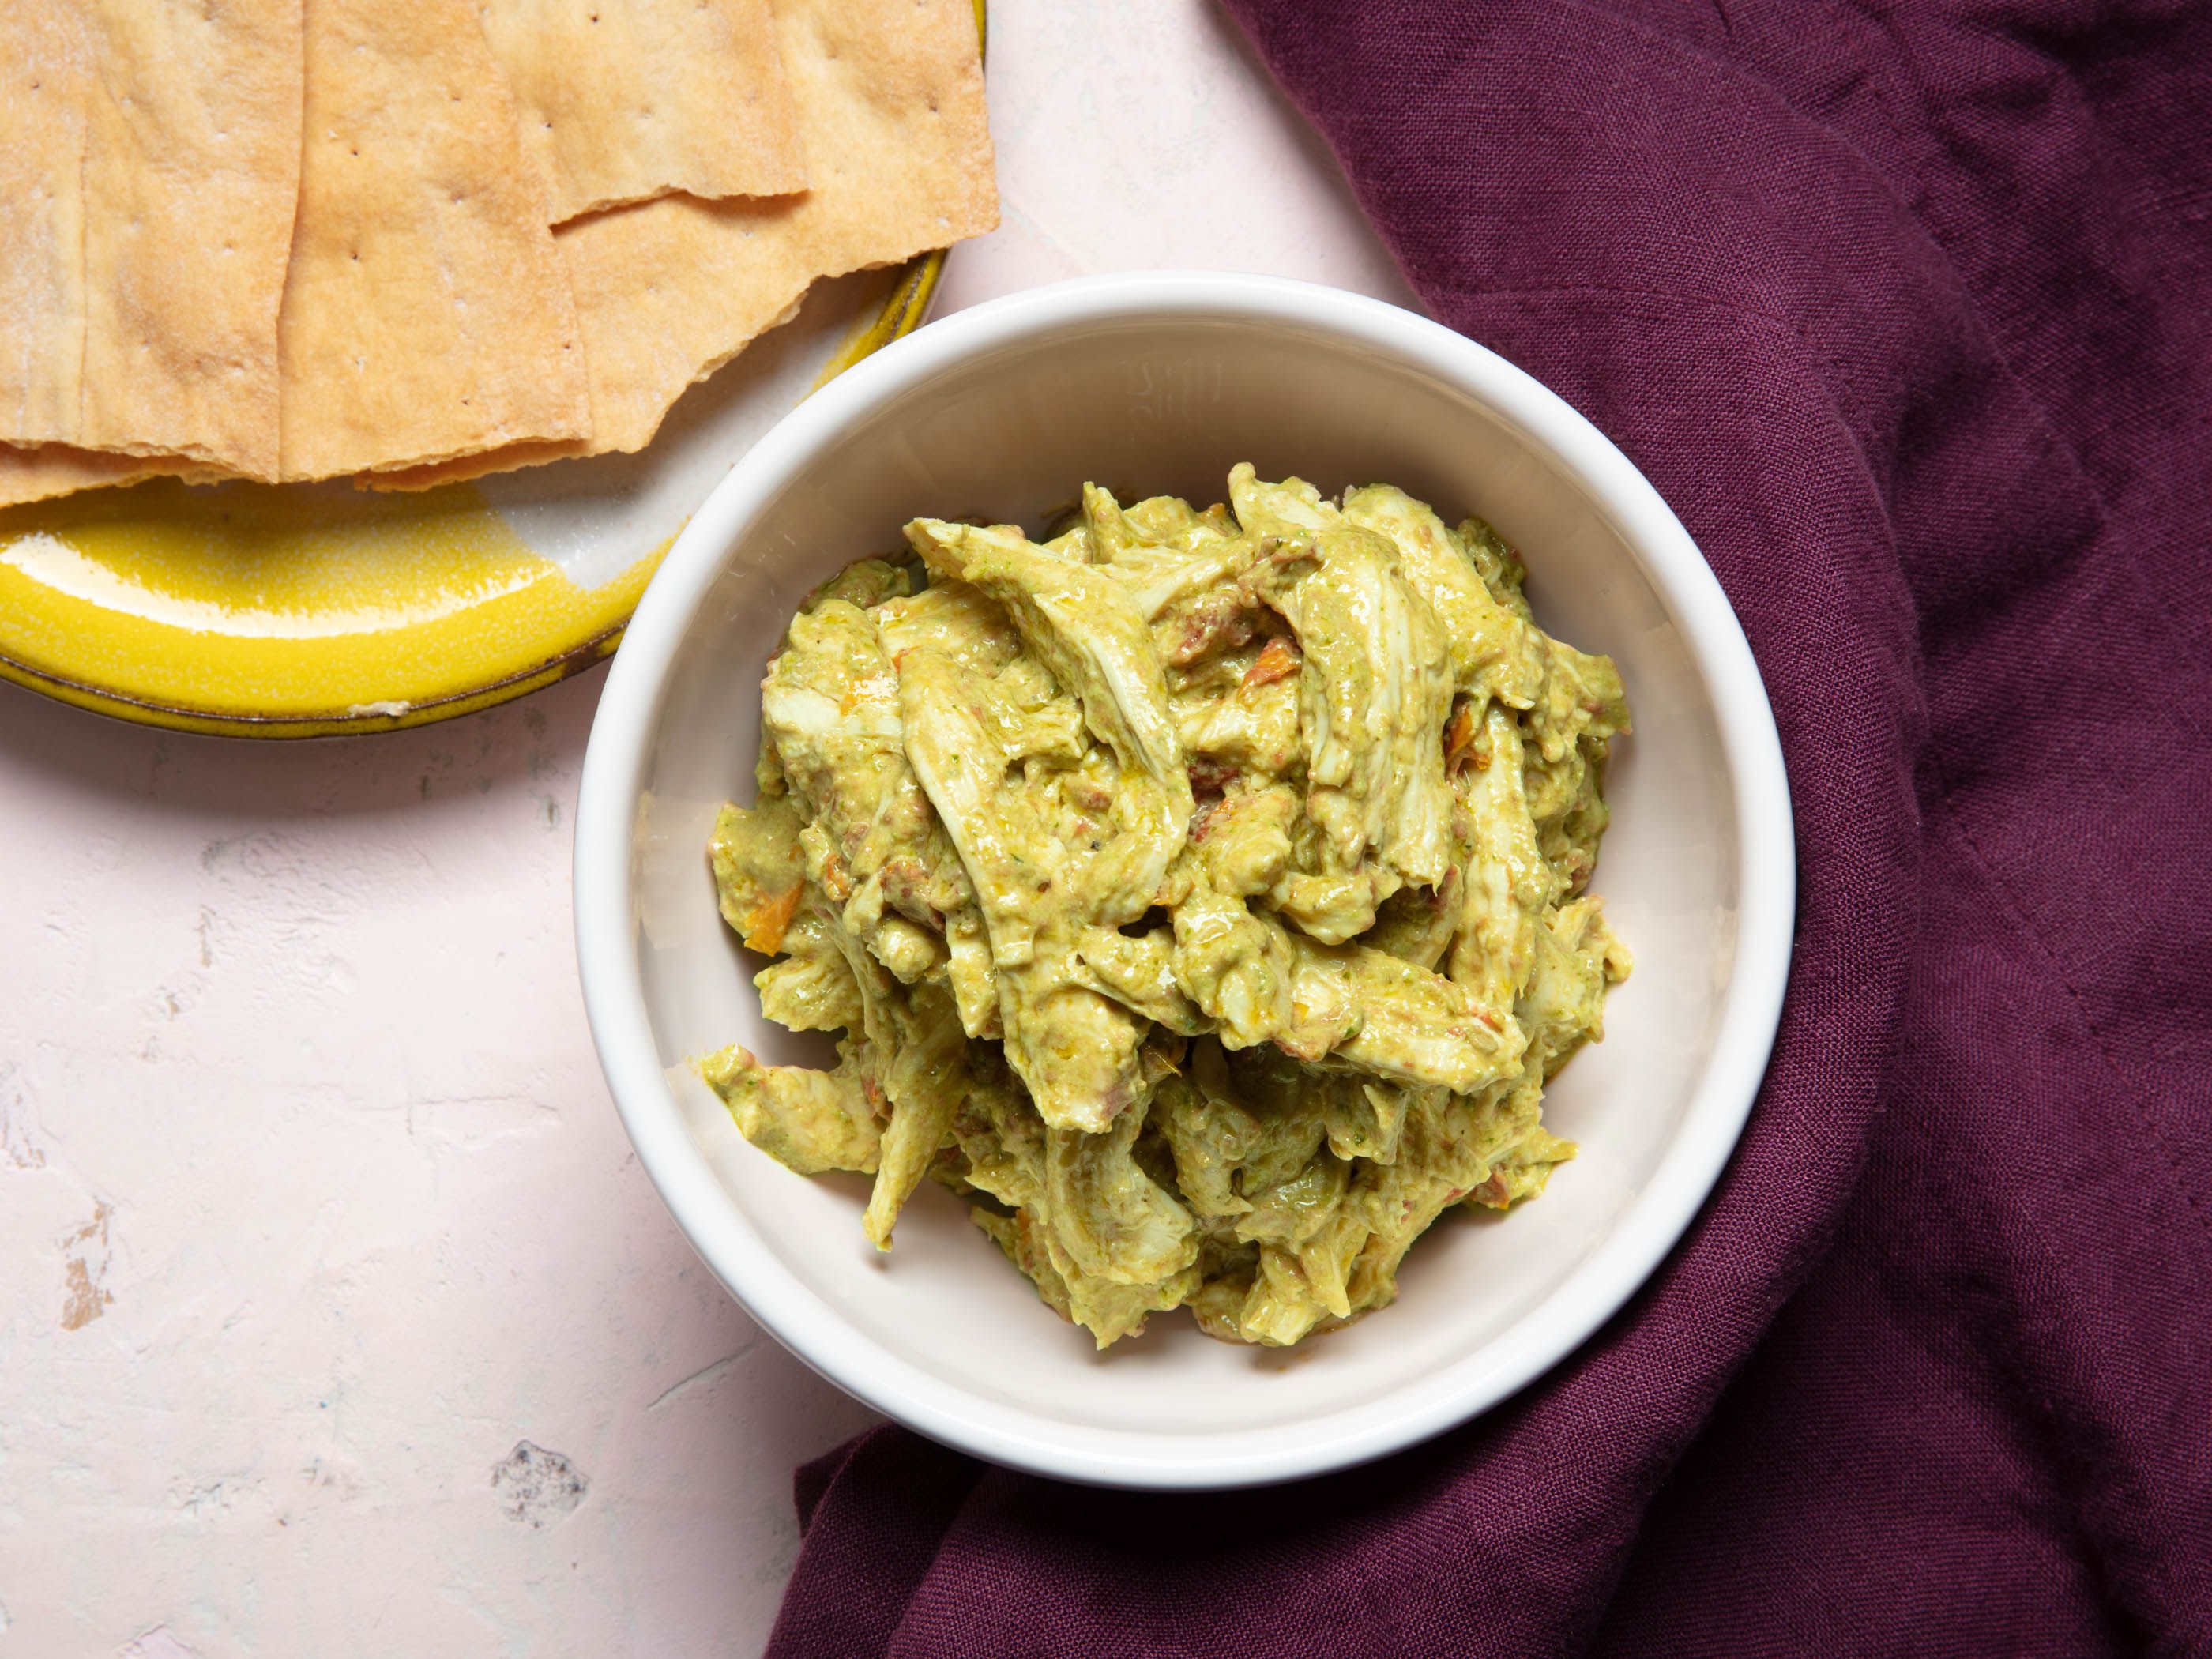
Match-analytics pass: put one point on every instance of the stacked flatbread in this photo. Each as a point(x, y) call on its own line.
point(412, 241)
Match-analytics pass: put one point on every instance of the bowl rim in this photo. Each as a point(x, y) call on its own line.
point(613, 782)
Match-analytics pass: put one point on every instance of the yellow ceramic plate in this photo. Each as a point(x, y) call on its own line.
point(311, 610)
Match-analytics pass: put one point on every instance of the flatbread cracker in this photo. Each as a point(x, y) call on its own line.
point(151, 165)
point(426, 313)
point(623, 101)
point(191, 175)
point(891, 98)
point(42, 98)
point(46, 470)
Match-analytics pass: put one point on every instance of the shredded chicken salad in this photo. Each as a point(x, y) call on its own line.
point(1199, 895)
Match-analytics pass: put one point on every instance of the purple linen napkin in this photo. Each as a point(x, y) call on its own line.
point(1906, 308)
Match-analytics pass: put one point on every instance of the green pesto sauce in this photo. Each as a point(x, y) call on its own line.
point(1200, 895)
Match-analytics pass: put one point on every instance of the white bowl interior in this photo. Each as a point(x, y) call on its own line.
point(1146, 405)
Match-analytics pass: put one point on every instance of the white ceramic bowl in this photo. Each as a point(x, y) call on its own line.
point(1148, 383)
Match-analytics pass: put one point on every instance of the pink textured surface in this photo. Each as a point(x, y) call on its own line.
point(312, 1208)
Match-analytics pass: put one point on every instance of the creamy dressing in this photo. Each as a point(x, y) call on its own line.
point(1200, 895)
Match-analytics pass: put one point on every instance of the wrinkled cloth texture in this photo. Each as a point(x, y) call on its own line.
point(1906, 307)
